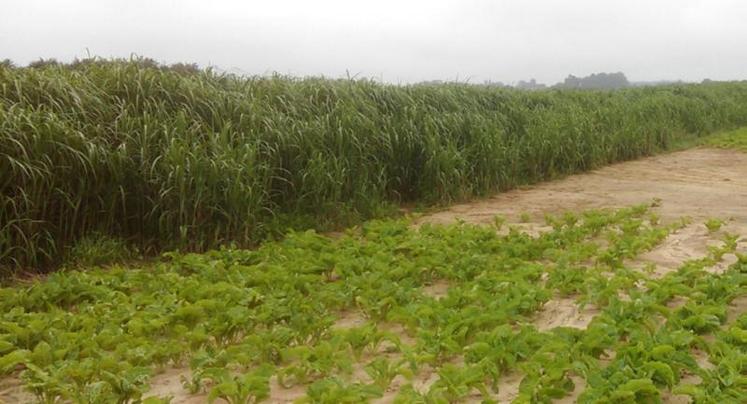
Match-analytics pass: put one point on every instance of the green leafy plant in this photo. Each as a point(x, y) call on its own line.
point(312, 312)
point(98, 250)
point(250, 387)
point(382, 371)
point(713, 225)
point(161, 157)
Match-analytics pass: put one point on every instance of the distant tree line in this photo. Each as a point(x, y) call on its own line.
point(530, 85)
point(594, 81)
point(598, 81)
point(143, 62)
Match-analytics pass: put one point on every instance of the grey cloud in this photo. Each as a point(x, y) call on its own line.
point(401, 41)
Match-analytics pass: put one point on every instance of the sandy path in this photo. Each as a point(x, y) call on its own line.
point(699, 183)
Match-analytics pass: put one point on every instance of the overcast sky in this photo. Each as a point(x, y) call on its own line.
point(399, 41)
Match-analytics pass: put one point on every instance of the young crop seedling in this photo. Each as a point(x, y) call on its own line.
point(245, 319)
point(713, 225)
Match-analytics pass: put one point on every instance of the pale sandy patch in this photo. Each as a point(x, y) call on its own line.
point(676, 302)
point(736, 308)
point(169, 384)
point(699, 183)
point(12, 391)
point(437, 290)
point(682, 245)
point(564, 312)
point(349, 319)
point(508, 386)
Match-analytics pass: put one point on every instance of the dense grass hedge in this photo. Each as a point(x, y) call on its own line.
point(175, 159)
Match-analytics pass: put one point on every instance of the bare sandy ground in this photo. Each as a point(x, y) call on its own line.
point(696, 183)
point(700, 183)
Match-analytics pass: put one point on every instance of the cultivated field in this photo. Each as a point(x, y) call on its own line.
point(148, 251)
point(625, 284)
point(162, 158)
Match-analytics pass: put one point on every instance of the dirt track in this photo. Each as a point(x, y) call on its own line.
point(699, 183)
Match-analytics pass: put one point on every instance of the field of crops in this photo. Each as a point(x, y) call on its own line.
point(155, 159)
point(106, 162)
point(397, 313)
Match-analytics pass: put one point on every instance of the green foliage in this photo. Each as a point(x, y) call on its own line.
point(713, 225)
point(636, 391)
point(97, 250)
point(332, 391)
point(241, 318)
point(176, 158)
point(383, 371)
point(736, 139)
point(525, 217)
point(251, 387)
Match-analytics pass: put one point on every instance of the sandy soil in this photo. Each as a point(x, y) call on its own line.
point(564, 312)
point(698, 183)
point(11, 391)
point(437, 289)
point(169, 384)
